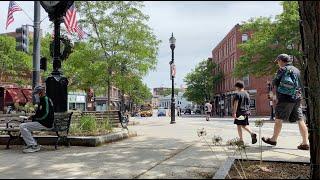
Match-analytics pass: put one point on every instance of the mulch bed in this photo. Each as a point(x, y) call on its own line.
point(272, 170)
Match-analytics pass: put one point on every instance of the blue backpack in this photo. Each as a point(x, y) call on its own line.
point(290, 84)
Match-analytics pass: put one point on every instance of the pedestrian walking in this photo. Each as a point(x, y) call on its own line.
point(289, 94)
point(43, 119)
point(241, 111)
point(207, 109)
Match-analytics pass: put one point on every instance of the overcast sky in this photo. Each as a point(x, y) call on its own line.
point(198, 27)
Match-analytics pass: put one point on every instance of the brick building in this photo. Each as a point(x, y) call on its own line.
point(225, 55)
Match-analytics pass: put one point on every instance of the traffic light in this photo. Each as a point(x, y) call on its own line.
point(22, 39)
point(43, 63)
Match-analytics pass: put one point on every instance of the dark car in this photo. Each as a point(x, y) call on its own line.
point(187, 111)
point(197, 111)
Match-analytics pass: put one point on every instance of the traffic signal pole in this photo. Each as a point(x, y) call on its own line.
point(36, 46)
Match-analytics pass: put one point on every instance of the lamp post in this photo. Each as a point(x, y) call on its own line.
point(172, 42)
point(56, 83)
point(270, 100)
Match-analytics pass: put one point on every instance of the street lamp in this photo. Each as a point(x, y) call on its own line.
point(172, 42)
point(270, 97)
point(57, 84)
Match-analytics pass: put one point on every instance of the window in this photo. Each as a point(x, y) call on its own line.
point(246, 81)
point(244, 37)
point(252, 103)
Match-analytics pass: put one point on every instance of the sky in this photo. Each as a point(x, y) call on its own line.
point(198, 27)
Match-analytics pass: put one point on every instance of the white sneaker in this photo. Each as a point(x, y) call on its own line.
point(32, 149)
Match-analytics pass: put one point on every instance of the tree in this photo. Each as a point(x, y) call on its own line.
point(201, 82)
point(310, 34)
point(168, 91)
point(14, 64)
point(121, 36)
point(270, 38)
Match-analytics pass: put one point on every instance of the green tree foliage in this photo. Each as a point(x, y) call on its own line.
point(119, 33)
point(201, 82)
point(167, 92)
point(14, 64)
point(270, 38)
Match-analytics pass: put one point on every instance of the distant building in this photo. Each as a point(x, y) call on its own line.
point(160, 91)
point(225, 55)
point(180, 101)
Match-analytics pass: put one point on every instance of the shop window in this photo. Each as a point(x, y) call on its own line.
point(252, 103)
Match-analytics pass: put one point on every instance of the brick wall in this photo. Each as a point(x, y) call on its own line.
point(225, 55)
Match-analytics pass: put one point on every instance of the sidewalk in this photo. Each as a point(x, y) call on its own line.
point(161, 150)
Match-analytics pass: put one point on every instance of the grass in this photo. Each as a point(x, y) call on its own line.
point(89, 126)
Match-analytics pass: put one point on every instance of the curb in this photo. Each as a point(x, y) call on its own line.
point(90, 141)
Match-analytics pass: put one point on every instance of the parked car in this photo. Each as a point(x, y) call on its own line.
point(197, 111)
point(161, 112)
point(187, 111)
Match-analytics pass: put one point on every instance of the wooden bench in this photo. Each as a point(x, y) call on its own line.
point(61, 124)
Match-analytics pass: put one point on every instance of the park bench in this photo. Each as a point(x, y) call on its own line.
point(61, 125)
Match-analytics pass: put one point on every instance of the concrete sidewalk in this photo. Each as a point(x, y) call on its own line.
point(161, 150)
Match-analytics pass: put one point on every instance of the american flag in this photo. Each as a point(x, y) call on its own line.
point(13, 7)
point(71, 23)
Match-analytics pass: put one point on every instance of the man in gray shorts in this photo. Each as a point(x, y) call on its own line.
point(287, 107)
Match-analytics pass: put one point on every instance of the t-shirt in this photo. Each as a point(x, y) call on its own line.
point(208, 107)
point(243, 101)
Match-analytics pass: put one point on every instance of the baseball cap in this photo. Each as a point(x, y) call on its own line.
point(284, 58)
point(38, 89)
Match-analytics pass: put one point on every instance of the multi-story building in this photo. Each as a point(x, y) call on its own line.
point(225, 55)
point(182, 102)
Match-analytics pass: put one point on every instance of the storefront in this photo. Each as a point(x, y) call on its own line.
point(77, 101)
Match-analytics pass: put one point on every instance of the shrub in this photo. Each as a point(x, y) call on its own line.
point(88, 123)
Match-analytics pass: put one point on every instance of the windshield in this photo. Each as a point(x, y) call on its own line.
point(145, 108)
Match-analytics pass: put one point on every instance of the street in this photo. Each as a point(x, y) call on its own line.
point(161, 150)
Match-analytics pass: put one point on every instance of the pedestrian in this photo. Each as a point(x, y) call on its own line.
point(289, 94)
point(207, 109)
point(43, 119)
point(241, 111)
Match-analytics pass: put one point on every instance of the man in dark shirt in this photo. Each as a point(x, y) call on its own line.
point(43, 119)
point(288, 107)
point(241, 111)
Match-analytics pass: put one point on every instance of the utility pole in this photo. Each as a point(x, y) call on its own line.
point(36, 45)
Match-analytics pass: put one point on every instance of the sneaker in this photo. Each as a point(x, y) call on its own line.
point(32, 149)
point(254, 138)
point(303, 147)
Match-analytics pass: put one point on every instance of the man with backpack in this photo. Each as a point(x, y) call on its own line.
point(289, 95)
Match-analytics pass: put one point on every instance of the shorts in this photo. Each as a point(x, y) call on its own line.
point(291, 111)
point(244, 122)
point(208, 113)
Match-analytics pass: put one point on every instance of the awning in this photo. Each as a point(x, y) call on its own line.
point(27, 94)
point(14, 95)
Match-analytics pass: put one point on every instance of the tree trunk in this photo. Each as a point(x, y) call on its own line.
point(310, 16)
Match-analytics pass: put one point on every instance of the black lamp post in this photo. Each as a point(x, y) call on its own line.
point(270, 100)
point(172, 42)
point(57, 84)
